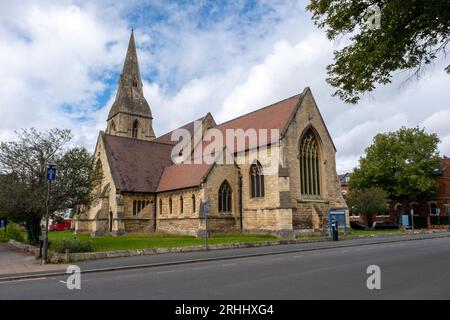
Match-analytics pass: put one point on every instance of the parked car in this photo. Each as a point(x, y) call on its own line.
point(61, 226)
point(357, 225)
point(380, 225)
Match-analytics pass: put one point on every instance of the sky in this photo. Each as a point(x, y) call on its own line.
point(60, 62)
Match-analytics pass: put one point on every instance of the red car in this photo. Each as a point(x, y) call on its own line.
point(62, 226)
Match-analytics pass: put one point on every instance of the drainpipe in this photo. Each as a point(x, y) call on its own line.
point(240, 203)
point(154, 213)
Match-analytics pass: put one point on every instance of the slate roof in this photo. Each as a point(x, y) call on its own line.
point(136, 165)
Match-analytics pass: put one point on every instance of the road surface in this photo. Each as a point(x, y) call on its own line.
point(418, 269)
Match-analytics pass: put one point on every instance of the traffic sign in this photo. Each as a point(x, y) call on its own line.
point(51, 172)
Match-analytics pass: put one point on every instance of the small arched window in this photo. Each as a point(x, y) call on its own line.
point(160, 207)
point(134, 130)
point(256, 180)
point(112, 127)
point(181, 205)
point(170, 205)
point(134, 207)
point(309, 165)
point(224, 197)
point(193, 203)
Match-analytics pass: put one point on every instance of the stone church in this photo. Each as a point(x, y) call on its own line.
point(144, 189)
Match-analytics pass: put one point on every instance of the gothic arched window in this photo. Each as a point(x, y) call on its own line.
point(193, 203)
point(309, 165)
point(160, 207)
point(134, 130)
point(256, 180)
point(224, 197)
point(112, 127)
point(170, 205)
point(134, 207)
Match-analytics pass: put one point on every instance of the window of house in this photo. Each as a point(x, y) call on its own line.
point(309, 165)
point(170, 205)
point(256, 180)
point(224, 197)
point(193, 203)
point(160, 207)
point(433, 208)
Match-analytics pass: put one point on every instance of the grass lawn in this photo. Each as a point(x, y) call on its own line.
point(372, 233)
point(158, 240)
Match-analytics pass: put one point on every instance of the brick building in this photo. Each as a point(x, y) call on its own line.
point(158, 183)
point(430, 213)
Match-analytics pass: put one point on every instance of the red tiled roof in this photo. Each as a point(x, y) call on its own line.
point(136, 165)
point(181, 176)
point(272, 117)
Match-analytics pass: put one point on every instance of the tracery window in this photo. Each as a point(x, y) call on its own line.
point(256, 180)
point(309, 165)
point(224, 197)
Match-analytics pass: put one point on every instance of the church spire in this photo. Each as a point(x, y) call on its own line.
point(131, 76)
point(130, 101)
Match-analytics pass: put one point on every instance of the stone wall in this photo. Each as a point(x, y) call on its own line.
point(305, 213)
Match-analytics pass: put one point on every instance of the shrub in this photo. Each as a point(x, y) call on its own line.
point(12, 233)
point(73, 246)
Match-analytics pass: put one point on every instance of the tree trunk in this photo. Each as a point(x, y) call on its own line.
point(33, 228)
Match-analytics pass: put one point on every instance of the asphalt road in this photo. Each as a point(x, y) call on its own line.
point(418, 269)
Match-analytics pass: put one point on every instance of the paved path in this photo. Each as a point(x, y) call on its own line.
point(416, 269)
point(16, 262)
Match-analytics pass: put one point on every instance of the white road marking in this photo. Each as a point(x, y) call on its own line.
point(22, 280)
point(228, 264)
point(295, 257)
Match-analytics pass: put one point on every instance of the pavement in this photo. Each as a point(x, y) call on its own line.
point(416, 267)
point(14, 262)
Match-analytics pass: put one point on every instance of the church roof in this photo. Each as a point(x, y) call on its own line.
point(136, 165)
point(182, 176)
point(146, 166)
point(273, 117)
point(130, 98)
point(166, 138)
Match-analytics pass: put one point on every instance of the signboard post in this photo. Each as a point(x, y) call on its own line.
point(206, 208)
point(50, 176)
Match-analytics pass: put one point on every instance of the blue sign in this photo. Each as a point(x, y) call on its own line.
point(3, 223)
point(51, 172)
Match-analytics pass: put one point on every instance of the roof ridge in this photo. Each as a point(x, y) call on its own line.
point(263, 108)
point(184, 125)
point(138, 140)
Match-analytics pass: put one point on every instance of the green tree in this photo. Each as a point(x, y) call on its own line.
point(367, 202)
point(409, 35)
point(23, 185)
point(403, 163)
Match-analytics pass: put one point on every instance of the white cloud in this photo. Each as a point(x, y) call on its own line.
point(57, 54)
